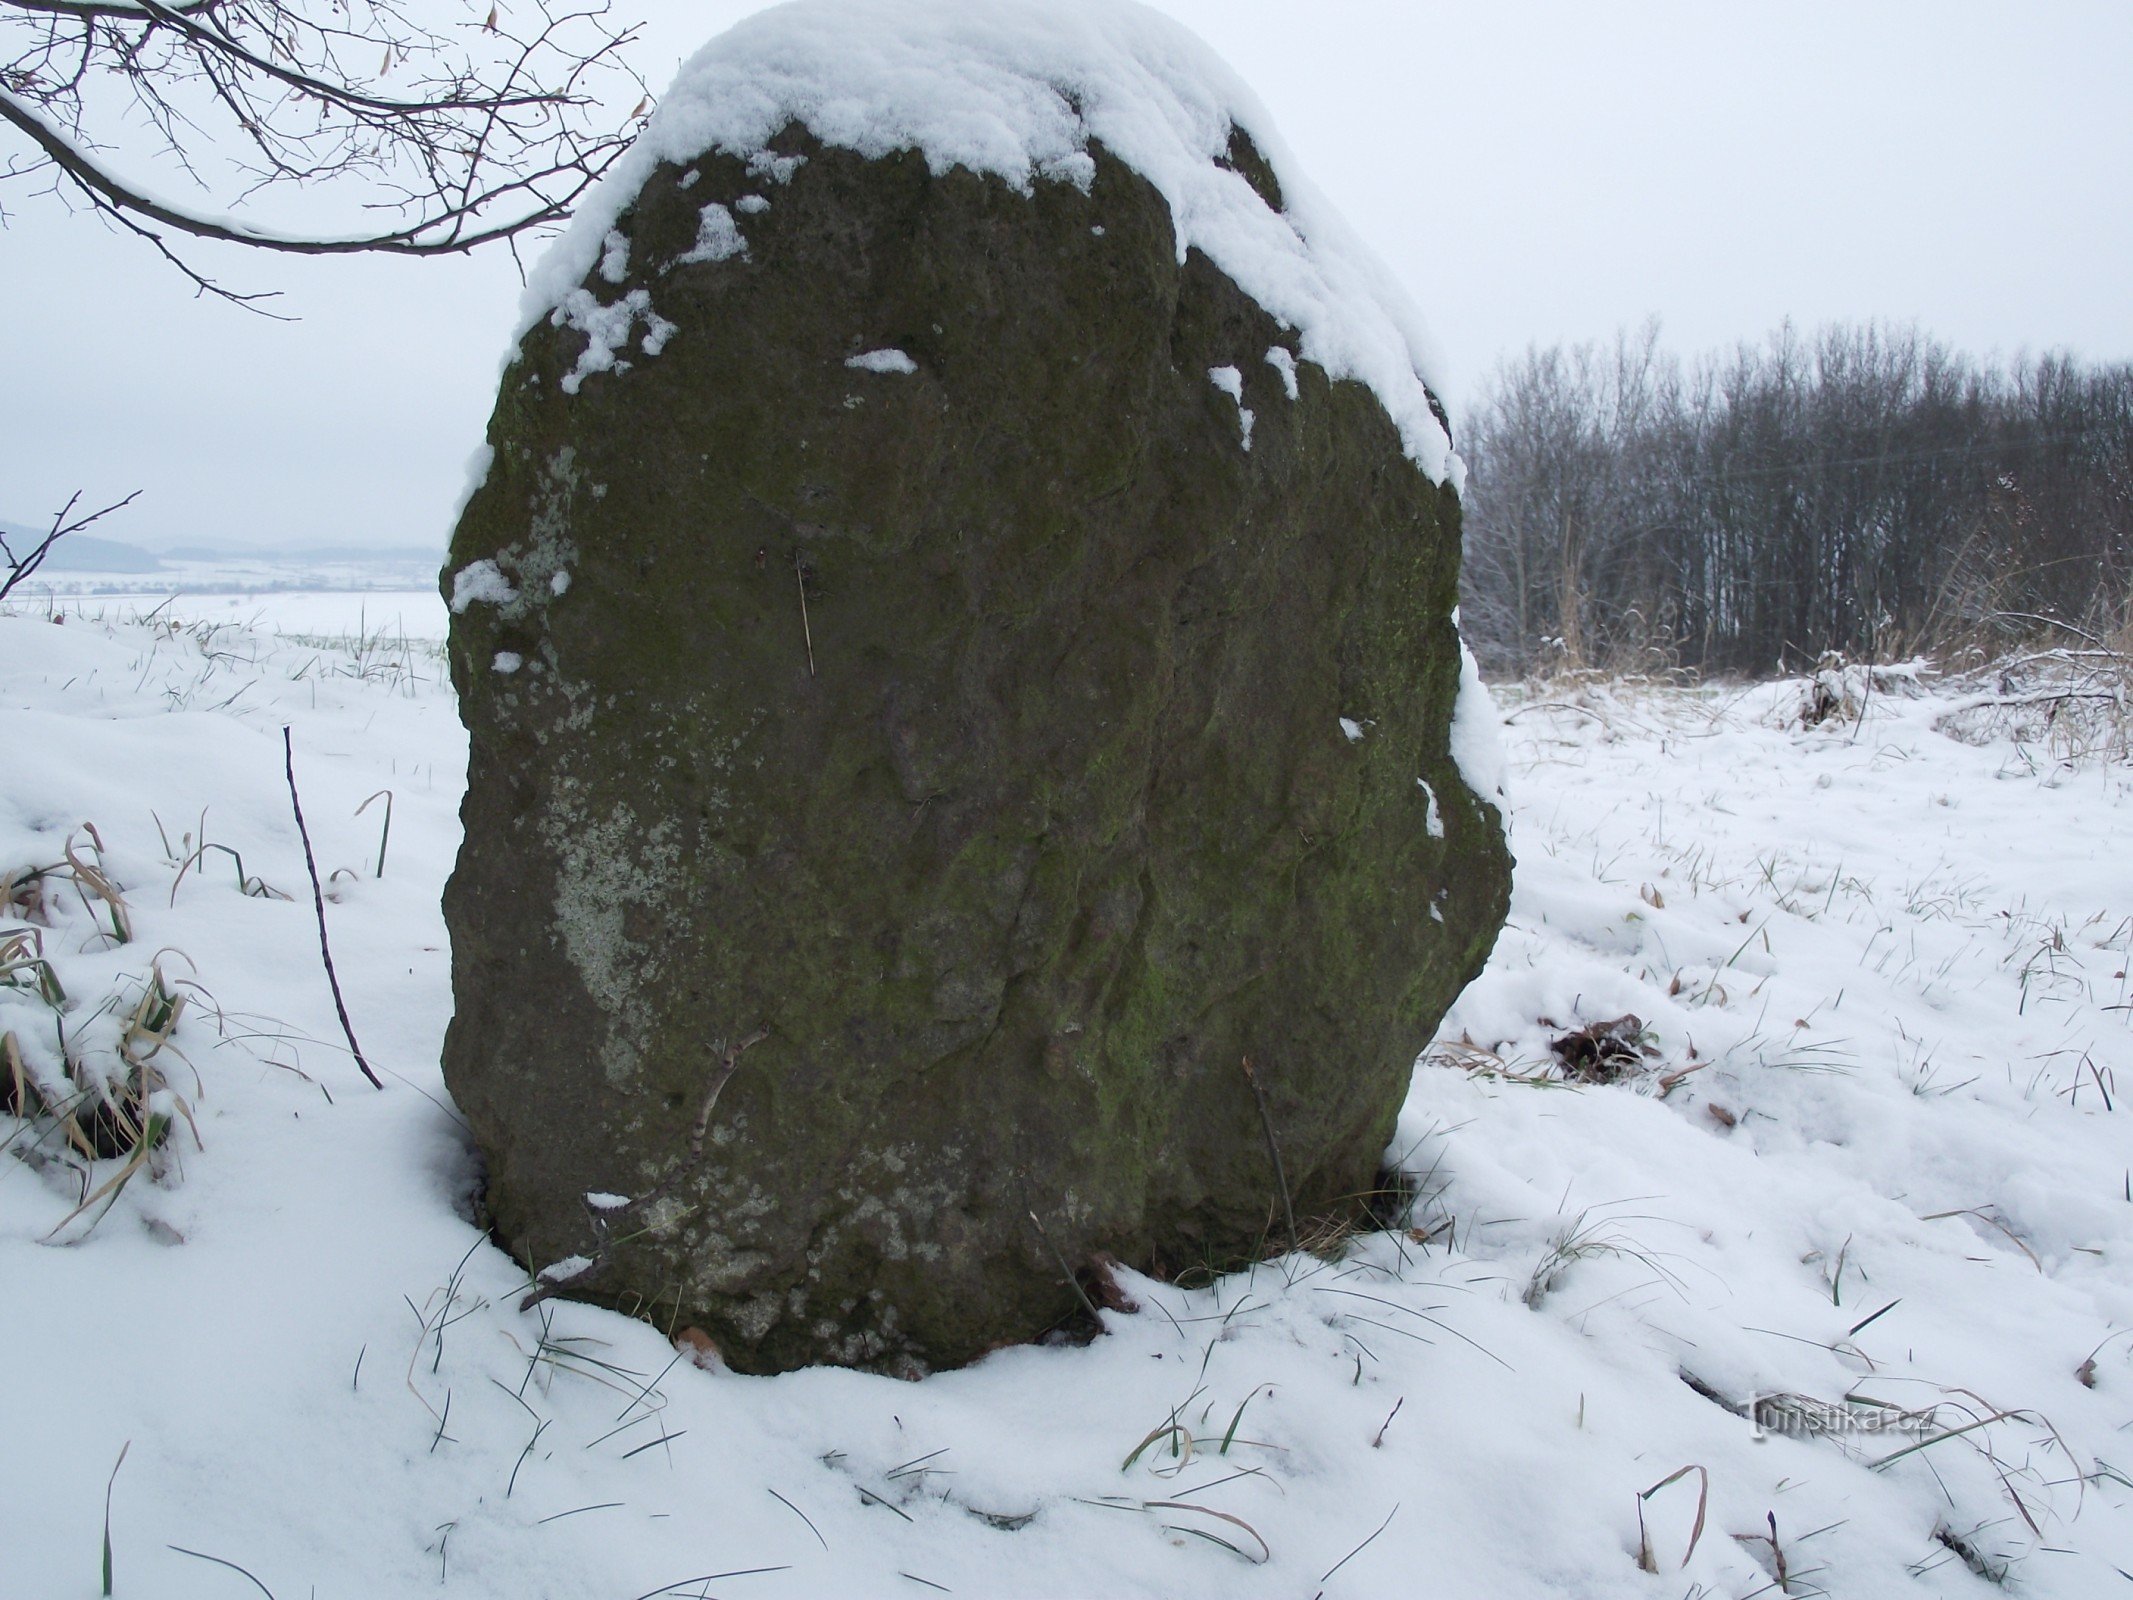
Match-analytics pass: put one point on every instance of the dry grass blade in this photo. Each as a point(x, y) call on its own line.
point(1583, 1239)
point(19, 1103)
point(22, 894)
point(1940, 1438)
point(25, 1099)
point(149, 1135)
point(803, 1516)
point(1229, 1434)
point(1463, 1055)
point(201, 1555)
point(1984, 1215)
point(22, 952)
point(111, 1483)
point(99, 1114)
point(152, 1021)
point(97, 882)
point(1645, 1559)
point(256, 888)
point(1178, 1437)
point(1265, 1552)
point(709, 1577)
point(385, 834)
point(1365, 1545)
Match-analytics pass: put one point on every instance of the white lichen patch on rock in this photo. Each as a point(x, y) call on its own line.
point(606, 865)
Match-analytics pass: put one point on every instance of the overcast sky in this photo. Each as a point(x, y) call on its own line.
point(1535, 172)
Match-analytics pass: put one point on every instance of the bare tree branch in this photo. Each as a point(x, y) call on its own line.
point(99, 8)
point(20, 568)
point(110, 194)
point(464, 132)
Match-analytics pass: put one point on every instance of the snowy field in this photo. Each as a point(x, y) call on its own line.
point(1811, 1274)
point(391, 614)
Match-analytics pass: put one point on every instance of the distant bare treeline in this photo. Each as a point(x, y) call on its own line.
point(1862, 489)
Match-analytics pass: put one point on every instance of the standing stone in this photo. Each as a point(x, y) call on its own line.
point(939, 702)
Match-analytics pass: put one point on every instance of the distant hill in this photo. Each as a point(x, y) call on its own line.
point(83, 564)
point(81, 552)
point(383, 553)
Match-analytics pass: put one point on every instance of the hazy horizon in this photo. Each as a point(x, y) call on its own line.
point(1534, 174)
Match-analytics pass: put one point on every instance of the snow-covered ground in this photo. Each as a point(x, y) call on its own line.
point(203, 575)
point(1829, 1287)
point(395, 614)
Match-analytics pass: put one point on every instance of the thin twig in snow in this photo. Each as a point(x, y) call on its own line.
point(318, 901)
point(1273, 1149)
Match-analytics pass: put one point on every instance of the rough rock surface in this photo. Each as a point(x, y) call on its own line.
point(888, 635)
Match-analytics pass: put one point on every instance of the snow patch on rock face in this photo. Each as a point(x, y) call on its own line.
point(1433, 820)
point(1021, 89)
point(882, 361)
point(615, 257)
point(1284, 363)
point(1231, 382)
point(478, 465)
point(481, 583)
point(568, 1270)
point(777, 168)
point(607, 328)
point(1477, 733)
point(718, 236)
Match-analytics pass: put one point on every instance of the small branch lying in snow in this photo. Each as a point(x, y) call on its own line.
point(2041, 698)
point(318, 900)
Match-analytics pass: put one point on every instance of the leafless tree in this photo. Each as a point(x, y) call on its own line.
point(435, 125)
point(1861, 488)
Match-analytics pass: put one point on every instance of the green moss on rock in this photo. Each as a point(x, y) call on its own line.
point(974, 734)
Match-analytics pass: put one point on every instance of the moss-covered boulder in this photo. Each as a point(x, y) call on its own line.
point(948, 681)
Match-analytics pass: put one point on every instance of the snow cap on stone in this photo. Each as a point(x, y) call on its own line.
point(1020, 89)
